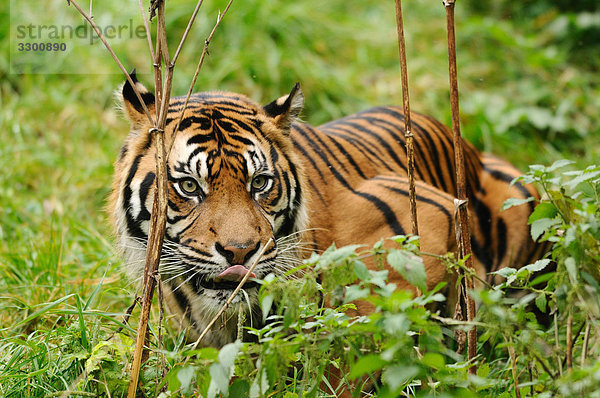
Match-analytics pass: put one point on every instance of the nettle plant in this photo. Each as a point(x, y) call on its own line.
point(311, 335)
point(538, 329)
point(553, 350)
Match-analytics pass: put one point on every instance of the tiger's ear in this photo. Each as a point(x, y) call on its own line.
point(285, 110)
point(131, 103)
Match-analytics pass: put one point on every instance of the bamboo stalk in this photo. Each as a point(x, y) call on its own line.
point(462, 226)
point(408, 135)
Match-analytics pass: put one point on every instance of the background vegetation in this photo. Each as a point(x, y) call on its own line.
point(529, 80)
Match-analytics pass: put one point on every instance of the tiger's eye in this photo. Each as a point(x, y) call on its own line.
point(259, 183)
point(189, 186)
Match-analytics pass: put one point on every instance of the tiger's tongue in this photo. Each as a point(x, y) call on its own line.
point(235, 273)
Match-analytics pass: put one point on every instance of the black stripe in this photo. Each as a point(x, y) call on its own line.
point(132, 227)
point(384, 144)
point(145, 186)
point(428, 201)
point(319, 145)
point(361, 146)
point(383, 207)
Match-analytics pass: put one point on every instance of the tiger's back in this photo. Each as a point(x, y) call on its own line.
point(342, 154)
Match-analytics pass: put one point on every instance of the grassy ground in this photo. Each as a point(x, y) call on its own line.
point(528, 93)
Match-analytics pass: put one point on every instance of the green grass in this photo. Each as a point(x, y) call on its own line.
point(528, 93)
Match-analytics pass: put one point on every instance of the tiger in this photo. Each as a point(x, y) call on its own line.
point(246, 180)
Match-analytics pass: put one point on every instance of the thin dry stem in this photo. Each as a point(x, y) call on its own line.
point(160, 370)
point(148, 35)
point(408, 135)
point(235, 292)
point(557, 343)
point(570, 341)
point(114, 56)
point(198, 67)
point(187, 31)
point(513, 366)
point(158, 218)
point(461, 210)
point(586, 341)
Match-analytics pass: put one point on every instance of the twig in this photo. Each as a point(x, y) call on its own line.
point(235, 292)
point(408, 135)
point(160, 374)
point(586, 341)
point(187, 31)
point(513, 365)
point(198, 67)
point(544, 365)
point(570, 341)
point(463, 237)
point(127, 316)
point(557, 343)
point(148, 35)
point(114, 56)
point(573, 340)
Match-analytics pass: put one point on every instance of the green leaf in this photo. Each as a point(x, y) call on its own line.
point(228, 353)
point(541, 302)
point(82, 329)
point(240, 389)
point(508, 203)
point(538, 227)
point(185, 377)
point(265, 305)
point(543, 210)
point(355, 292)
point(410, 266)
point(582, 176)
point(538, 265)
point(483, 370)
point(222, 371)
point(505, 272)
point(398, 375)
point(219, 376)
point(559, 164)
point(571, 267)
point(434, 360)
point(361, 271)
point(367, 365)
point(396, 324)
point(43, 309)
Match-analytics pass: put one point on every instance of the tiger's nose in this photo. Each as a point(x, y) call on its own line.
point(237, 253)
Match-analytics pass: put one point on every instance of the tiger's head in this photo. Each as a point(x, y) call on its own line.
point(234, 183)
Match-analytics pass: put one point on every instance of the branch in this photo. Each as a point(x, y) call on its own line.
point(112, 53)
point(187, 31)
point(148, 35)
point(463, 236)
point(408, 135)
point(158, 219)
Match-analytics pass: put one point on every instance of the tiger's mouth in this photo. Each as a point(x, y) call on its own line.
point(229, 279)
point(211, 284)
